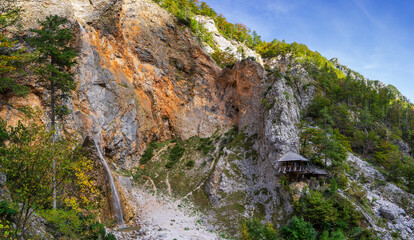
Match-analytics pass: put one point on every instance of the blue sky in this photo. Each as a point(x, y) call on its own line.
point(372, 37)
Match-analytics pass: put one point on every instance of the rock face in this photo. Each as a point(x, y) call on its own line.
point(239, 50)
point(267, 112)
point(141, 77)
point(387, 200)
point(241, 89)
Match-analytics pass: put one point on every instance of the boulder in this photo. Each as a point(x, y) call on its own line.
point(388, 213)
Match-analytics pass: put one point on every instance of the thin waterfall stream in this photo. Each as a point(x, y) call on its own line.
point(116, 203)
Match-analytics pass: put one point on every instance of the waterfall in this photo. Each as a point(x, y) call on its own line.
point(81, 27)
point(116, 203)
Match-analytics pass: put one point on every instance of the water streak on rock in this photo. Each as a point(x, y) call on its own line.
point(116, 203)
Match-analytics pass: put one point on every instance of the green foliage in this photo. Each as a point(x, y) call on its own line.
point(190, 164)
point(185, 10)
point(149, 153)
point(266, 104)
point(70, 224)
point(223, 58)
point(7, 213)
point(255, 230)
point(284, 182)
point(175, 155)
point(9, 14)
point(328, 212)
point(335, 235)
point(201, 33)
point(13, 59)
point(55, 58)
point(315, 209)
point(317, 145)
point(206, 145)
point(298, 229)
point(362, 234)
point(65, 223)
point(347, 214)
point(26, 161)
point(370, 119)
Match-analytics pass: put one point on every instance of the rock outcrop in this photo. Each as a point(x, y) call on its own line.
point(237, 49)
point(386, 200)
point(143, 77)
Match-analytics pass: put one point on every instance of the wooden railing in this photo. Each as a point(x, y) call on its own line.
point(294, 169)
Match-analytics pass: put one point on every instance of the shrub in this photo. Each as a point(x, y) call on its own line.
point(175, 155)
point(75, 225)
point(298, 229)
point(190, 164)
point(224, 59)
point(26, 161)
point(206, 145)
point(149, 153)
point(7, 212)
point(317, 210)
point(336, 235)
point(255, 230)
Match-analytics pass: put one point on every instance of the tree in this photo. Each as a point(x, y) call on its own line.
point(298, 229)
point(255, 230)
point(26, 153)
point(54, 62)
point(25, 160)
point(315, 209)
point(12, 59)
point(55, 59)
point(335, 235)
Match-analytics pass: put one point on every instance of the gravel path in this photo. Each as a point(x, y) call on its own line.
point(162, 218)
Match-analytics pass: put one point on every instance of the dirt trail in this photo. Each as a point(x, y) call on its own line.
point(163, 218)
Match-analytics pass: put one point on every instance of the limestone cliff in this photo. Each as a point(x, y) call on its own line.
point(143, 77)
point(140, 76)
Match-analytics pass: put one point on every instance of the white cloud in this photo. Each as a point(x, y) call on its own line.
point(281, 6)
point(368, 15)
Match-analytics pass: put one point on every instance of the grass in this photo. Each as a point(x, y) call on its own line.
point(188, 164)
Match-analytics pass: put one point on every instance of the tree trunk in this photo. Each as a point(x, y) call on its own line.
point(325, 142)
point(53, 128)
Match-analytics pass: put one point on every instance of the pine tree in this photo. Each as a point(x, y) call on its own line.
point(54, 62)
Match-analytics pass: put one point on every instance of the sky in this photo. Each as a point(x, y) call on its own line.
point(372, 37)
